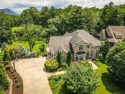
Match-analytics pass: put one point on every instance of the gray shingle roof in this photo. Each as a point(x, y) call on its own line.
point(83, 35)
point(60, 42)
point(117, 31)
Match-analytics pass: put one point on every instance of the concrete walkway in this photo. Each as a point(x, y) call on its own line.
point(55, 73)
point(34, 78)
point(93, 65)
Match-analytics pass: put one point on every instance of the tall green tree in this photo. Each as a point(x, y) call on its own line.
point(116, 62)
point(81, 79)
point(31, 35)
point(104, 50)
point(68, 59)
point(59, 59)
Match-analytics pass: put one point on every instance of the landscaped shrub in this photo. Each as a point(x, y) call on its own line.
point(12, 54)
point(15, 77)
point(51, 65)
point(12, 72)
point(42, 48)
point(6, 56)
point(64, 65)
point(16, 80)
point(44, 54)
point(98, 63)
point(1, 90)
point(18, 84)
point(56, 77)
point(6, 62)
point(4, 83)
point(8, 67)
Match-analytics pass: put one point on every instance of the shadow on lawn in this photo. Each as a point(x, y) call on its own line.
point(111, 85)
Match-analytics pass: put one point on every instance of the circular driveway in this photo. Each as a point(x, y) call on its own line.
point(34, 78)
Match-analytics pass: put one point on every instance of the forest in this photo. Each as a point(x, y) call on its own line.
point(58, 21)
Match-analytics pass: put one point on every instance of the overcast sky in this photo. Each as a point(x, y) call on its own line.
point(19, 5)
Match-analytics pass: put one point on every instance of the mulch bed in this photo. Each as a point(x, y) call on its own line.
point(15, 90)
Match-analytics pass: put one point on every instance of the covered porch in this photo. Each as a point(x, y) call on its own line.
point(81, 55)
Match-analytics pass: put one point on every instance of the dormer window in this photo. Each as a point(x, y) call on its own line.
point(118, 35)
point(81, 47)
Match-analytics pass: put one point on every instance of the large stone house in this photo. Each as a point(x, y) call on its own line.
point(113, 34)
point(80, 43)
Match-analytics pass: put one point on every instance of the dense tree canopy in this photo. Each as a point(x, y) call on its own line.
point(116, 61)
point(58, 21)
point(31, 35)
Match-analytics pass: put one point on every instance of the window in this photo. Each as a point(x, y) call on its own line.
point(81, 47)
point(92, 54)
point(118, 35)
point(97, 53)
point(87, 46)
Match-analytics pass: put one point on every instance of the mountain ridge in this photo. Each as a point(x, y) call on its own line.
point(8, 11)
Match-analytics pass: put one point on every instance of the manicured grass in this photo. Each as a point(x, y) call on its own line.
point(26, 45)
point(107, 84)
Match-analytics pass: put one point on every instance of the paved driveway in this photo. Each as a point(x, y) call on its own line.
point(34, 78)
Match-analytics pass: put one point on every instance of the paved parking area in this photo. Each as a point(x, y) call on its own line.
point(34, 78)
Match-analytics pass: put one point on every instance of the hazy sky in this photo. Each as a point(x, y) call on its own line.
point(19, 5)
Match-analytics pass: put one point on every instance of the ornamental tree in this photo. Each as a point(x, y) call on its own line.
point(81, 79)
point(68, 60)
point(59, 59)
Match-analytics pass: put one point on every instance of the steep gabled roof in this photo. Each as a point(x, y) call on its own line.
point(79, 35)
point(60, 43)
point(116, 31)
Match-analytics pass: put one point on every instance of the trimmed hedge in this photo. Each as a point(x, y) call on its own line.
point(51, 65)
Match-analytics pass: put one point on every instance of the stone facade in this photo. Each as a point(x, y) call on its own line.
point(81, 47)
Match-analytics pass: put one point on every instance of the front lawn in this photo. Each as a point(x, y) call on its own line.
point(107, 84)
point(26, 45)
point(57, 84)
